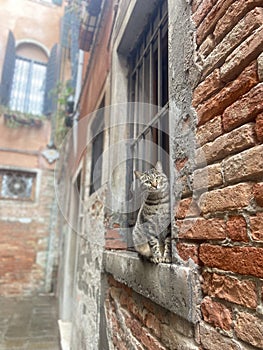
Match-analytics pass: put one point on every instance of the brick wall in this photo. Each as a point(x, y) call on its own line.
point(222, 230)
point(25, 241)
point(218, 221)
point(134, 322)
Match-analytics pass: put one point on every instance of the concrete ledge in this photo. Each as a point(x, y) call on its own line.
point(176, 288)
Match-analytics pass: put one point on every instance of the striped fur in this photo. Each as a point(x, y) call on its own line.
point(151, 234)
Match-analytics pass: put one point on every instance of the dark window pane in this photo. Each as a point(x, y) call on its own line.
point(27, 93)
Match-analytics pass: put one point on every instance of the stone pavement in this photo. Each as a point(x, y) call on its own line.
point(29, 323)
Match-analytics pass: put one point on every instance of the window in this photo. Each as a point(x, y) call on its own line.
point(97, 149)
point(17, 185)
point(148, 84)
point(28, 87)
point(28, 77)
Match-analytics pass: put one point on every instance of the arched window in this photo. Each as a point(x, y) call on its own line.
point(28, 85)
point(29, 74)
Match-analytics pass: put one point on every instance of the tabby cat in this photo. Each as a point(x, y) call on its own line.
point(151, 233)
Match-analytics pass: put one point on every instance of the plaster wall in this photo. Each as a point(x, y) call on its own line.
point(29, 20)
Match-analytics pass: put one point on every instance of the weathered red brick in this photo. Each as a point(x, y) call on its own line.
point(149, 341)
point(180, 163)
point(237, 229)
point(245, 165)
point(245, 109)
point(207, 88)
point(208, 177)
point(229, 94)
point(245, 53)
point(201, 229)
point(112, 234)
point(114, 240)
point(205, 48)
point(186, 186)
point(233, 142)
point(256, 227)
point(235, 37)
point(187, 251)
point(235, 12)
point(229, 198)
point(258, 193)
point(133, 324)
point(195, 4)
point(153, 324)
point(115, 244)
point(202, 10)
point(211, 19)
point(186, 208)
point(249, 328)
point(115, 293)
point(213, 340)
point(209, 131)
point(259, 127)
point(216, 314)
point(242, 292)
point(242, 260)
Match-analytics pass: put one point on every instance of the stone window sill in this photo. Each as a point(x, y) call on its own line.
point(174, 287)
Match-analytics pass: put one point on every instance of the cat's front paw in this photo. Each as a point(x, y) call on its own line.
point(156, 259)
point(167, 259)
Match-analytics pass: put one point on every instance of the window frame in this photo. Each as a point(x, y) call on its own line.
point(156, 128)
point(25, 105)
point(31, 174)
point(97, 129)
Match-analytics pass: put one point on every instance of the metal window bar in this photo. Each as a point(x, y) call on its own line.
point(27, 94)
point(149, 84)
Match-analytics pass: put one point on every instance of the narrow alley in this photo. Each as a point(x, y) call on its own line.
point(29, 323)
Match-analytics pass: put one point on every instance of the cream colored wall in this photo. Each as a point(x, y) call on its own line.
point(29, 20)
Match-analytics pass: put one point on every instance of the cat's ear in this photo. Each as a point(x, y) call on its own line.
point(138, 174)
point(159, 167)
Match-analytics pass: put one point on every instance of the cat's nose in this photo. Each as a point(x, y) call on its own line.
point(154, 184)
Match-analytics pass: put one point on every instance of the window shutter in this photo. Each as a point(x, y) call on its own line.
point(66, 23)
point(51, 81)
point(57, 2)
point(8, 70)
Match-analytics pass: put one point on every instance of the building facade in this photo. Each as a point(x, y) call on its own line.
point(179, 82)
point(30, 34)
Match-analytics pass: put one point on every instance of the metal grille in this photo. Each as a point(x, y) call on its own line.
point(51, 81)
point(28, 86)
point(17, 185)
point(148, 84)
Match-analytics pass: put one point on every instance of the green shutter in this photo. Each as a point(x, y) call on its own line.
point(8, 70)
point(51, 81)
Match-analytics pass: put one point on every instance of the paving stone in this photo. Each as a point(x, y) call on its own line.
point(29, 323)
